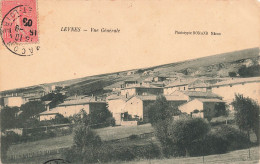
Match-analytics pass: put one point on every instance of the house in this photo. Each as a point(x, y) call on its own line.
point(190, 95)
point(116, 104)
point(15, 101)
point(179, 85)
point(249, 87)
point(129, 83)
point(136, 107)
point(200, 107)
point(142, 90)
point(227, 89)
point(71, 107)
point(159, 78)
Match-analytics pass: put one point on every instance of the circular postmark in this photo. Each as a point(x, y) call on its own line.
point(19, 32)
point(56, 161)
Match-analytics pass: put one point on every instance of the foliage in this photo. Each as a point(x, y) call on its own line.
point(161, 132)
point(30, 109)
point(159, 110)
point(8, 119)
point(233, 137)
point(250, 71)
point(232, 74)
point(55, 99)
point(80, 118)
point(109, 152)
point(220, 110)
point(185, 132)
point(247, 114)
point(30, 123)
point(101, 117)
point(6, 141)
point(60, 119)
point(86, 142)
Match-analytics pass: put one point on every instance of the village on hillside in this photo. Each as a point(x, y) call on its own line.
point(118, 105)
point(128, 101)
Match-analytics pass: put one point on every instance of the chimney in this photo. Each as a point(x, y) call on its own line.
point(95, 98)
point(126, 95)
point(48, 107)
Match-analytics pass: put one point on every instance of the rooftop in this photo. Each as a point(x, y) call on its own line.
point(85, 100)
point(210, 100)
point(142, 86)
point(168, 98)
point(234, 81)
point(197, 94)
point(181, 82)
point(115, 96)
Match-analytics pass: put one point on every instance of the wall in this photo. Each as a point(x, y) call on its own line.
point(149, 91)
point(129, 91)
point(251, 90)
point(13, 101)
point(116, 107)
point(175, 104)
point(47, 117)
point(67, 111)
point(134, 107)
point(191, 106)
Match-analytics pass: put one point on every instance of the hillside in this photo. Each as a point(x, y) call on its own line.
point(212, 66)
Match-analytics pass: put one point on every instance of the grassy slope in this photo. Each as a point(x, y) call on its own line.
point(111, 78)
point(106, 134)
point(238, 156)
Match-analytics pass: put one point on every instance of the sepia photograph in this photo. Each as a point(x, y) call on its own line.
point(129, 82)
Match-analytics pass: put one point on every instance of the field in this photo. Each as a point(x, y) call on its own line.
point(106, 134)
point(238, 156)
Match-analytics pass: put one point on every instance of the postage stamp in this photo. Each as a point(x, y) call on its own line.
point(19, 26)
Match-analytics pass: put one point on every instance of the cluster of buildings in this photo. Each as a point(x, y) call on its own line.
point(130, 102)
point(196, 97)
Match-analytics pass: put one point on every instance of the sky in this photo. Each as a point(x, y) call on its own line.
point(146, 38)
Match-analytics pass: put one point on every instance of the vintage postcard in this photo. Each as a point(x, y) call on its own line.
point(129, 81)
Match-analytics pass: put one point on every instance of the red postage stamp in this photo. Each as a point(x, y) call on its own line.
point(19, 25)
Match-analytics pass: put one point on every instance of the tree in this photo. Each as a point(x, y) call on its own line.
point(247, 114)
point(81, 118)
point(159, 110)
point(86, 143)
point(102, 117)
point(60, 119)
point(8, 119)
point(185, 131)
point(30, 109)
point(55, 99)
point(220, 110)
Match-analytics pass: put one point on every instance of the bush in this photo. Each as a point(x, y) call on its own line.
point(185, 132)
point(115, 152)
point(232, 74)
point(234, 138)
point(249, 71)
point(109, 152)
